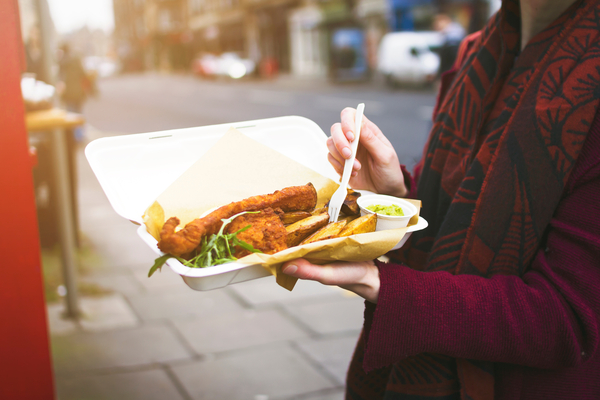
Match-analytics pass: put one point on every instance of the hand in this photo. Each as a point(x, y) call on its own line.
point(361, 278)
point(376, 167)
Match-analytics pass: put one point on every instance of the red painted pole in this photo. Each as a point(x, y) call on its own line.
point(25, 366)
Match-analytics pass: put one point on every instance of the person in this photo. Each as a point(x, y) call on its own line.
point(452, 34)
point(75, 83)
point(499, 298)
point(33, 54)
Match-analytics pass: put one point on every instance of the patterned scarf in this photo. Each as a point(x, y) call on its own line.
point(504, 141)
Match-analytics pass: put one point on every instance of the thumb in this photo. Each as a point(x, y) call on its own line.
point(303, 269)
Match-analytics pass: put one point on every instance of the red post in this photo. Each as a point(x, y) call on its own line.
point(25, 366)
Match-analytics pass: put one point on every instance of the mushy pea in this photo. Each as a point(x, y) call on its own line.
point(392, 210)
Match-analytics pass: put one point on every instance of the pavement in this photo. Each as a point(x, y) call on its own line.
point(156, 338)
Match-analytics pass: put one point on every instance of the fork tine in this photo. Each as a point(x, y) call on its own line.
point(333, 215)
point(335, 203)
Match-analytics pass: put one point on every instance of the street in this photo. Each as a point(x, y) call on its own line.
point(155, 338)
point(153, 102)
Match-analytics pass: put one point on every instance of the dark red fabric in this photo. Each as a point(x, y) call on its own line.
point(541, 330)
point(480, 300)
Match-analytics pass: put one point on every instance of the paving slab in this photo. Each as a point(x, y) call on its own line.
point(333, 354)
point(106, 312)
point(238, 330)
point(275, 372)
point(333, 395)
point(330, 316)
point(266, 291)
point(184, 304)
point(117, 281)
point(57, 323)
point(121, 246)
point(165, 279)
point(116, 348)
point(138, 385)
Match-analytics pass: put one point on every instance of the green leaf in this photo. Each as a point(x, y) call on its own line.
point(211, 241)
point(244, 245)
point(158, 263)
point(243, 229)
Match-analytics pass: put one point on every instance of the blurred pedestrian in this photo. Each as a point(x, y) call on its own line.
point(499, 298)
point(452, 34)
point(33, 54)
point(75, 83)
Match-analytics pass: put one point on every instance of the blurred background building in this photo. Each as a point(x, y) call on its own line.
point(301, 37)
point(312, 38)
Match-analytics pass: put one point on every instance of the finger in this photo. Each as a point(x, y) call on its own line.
point(333, 151)
point(338, 162)
point(335, 164)
point(302, 269)
point(340, 139)
point(347, 122)
point(371, 137)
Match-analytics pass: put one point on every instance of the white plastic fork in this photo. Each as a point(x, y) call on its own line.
point(335, 204)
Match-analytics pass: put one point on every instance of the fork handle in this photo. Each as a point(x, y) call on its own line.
point(349, 163)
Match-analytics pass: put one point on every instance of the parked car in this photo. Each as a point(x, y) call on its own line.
point(101, 66)
point(409, 57)
point(205, 65)
point(228, 64)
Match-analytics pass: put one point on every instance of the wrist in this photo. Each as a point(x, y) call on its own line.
point(397, 185)
point(398, 190)
point(401, 191)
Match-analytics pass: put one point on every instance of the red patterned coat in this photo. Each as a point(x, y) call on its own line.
point(500, 296)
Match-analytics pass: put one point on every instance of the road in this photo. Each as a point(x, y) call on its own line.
point(154, 102)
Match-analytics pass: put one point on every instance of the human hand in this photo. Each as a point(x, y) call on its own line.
point(361, 278)
point(376, 167)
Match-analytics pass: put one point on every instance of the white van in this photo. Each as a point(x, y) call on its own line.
point(407, 57)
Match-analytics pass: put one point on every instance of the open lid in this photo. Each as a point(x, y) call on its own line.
point(134, 170)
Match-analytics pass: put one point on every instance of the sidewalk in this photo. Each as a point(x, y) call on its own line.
point(155, 338)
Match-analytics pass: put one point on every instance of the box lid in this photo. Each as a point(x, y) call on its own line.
point(134, 170)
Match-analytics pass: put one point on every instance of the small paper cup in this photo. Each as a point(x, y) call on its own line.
point(385, 222)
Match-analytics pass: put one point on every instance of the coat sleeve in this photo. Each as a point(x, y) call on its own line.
point(547, 318)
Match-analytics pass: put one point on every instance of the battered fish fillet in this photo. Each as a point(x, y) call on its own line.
point(293, 198)
point(266, 233)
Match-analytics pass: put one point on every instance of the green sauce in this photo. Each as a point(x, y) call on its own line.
point(392, 210)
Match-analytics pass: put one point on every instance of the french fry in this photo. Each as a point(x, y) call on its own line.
point(289, 218)
point(329, 231)
point(350, 205)
point(298, 231)
point(365, 224)
point(348, 218)
point(318, 211)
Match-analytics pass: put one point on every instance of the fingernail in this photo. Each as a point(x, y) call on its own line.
point(346, 152)
point(290, 269)
point(350, 136)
